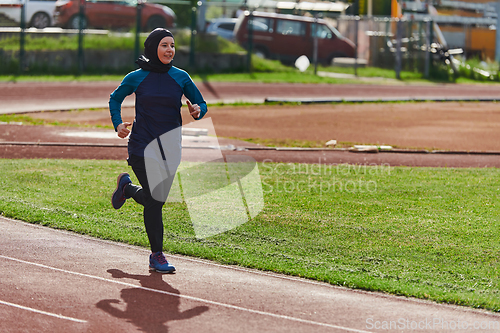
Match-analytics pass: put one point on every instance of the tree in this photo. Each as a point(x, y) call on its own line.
point(360, 7)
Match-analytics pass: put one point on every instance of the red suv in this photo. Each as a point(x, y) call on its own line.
point(111, 14)
point(287, 37)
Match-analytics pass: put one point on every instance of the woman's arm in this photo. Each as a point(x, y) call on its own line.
point(191, 92)
point(129, 84)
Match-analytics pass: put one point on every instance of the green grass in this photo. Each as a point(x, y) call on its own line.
point(27, 120)
point(60, 78)
point(290, 76)
point(431, 233)
point(112, 42)
point(279, 77)
point(295, 143)
point(70, 43)
point(374, 72)
point(262, 74)
point(285, 142)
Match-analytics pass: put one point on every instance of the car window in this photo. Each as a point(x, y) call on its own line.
point(322, 31)
point(115, 2)
point(125, 3)
point(226, 26)
point(262, 24)
point(132, 3)
point(293, 28)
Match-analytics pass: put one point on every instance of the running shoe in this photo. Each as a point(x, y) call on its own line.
point(118, 198)
point(158, 263)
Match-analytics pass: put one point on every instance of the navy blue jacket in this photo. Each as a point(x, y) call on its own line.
point(157, 104)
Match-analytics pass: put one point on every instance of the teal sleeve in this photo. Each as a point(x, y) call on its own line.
point(128, 86)
point(189, 89)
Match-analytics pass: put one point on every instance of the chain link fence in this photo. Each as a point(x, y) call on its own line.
point(377, 41)
point(381, 41)
point(100, 36)
point(421, 46)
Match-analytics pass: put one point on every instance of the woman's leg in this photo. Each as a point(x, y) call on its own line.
point(152, 208)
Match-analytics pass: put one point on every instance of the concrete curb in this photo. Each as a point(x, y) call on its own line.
point(379, 100)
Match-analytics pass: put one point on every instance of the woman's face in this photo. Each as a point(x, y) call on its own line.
point(166, 50)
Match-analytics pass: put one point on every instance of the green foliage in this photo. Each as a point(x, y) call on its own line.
point(360, 7)
point(183, 14)
point(8, 64)
point(441, 72)
point(477, 70)
point(206, 43)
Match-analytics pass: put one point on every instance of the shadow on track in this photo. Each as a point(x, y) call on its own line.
point(147, 309)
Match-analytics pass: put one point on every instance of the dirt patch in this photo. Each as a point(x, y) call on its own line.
point(452, 126)
point(447, 126)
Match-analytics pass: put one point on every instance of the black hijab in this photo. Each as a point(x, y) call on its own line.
point(149, 61)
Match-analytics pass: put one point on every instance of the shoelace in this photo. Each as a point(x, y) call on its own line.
point(161, 258)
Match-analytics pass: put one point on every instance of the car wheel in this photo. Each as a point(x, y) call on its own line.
point(74, 22)
point(155, 22)
point(329, 61)
point(261, 52)
point(40, 20)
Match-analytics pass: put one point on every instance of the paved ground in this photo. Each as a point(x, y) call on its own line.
point(62, 282)
point(36, 96)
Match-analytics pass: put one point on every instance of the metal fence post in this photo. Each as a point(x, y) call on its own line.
point(421, 44)
point(399, 32)
point(356, 41)
point(315, 44)
point(409, 61)
point(428, 49)
point(81, 16)
point(138, 29)
point(387, 39)
point(22, 38)
point(193, 35)
point(466, 34)
point(250, 41)
point(497, 41)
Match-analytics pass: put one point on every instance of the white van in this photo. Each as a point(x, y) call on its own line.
point(39, 13)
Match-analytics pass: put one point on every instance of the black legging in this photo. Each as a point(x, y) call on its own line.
point(152, 208)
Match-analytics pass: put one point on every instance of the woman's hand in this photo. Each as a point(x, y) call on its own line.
point(194, 109)
point(122, 130)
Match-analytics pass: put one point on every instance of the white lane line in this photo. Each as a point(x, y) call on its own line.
point(206, 262)
point(192, 298)
point(42, 312)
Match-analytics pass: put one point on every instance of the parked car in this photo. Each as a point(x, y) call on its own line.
point(39, 13)
point(287, 37)
point(223, 27)
point(109, 14)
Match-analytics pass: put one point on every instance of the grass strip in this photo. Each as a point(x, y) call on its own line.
point(22, 119)
point(431, 233)
point(289, 76)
